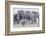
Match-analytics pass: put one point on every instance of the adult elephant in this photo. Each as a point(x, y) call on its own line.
point(29, 16)
point(35, 16)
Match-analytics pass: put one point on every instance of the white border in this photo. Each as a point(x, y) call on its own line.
point(25, 29)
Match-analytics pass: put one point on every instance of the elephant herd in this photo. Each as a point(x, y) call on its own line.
point(26, 15)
